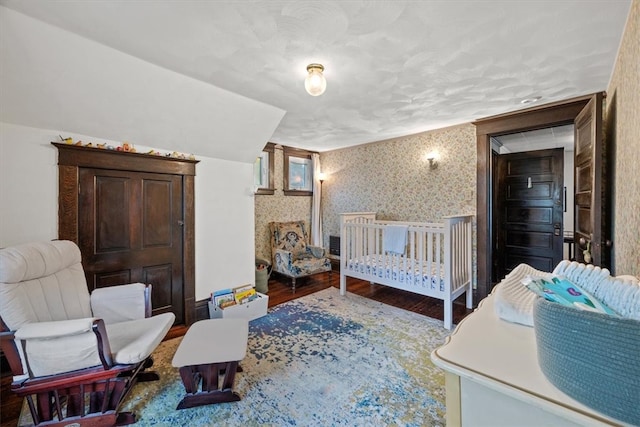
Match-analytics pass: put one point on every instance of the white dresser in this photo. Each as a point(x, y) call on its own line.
point(493, 378)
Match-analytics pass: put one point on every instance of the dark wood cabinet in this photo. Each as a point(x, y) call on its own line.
point(132, 215)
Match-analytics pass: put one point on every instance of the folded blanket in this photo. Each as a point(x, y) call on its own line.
point(513, 301)
point(395, 238)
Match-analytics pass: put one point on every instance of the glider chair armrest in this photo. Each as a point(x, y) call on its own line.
point(50, 348)
point(10, 350)
point(121, 303)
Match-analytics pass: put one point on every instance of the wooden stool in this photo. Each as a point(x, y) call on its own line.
point(211, 348)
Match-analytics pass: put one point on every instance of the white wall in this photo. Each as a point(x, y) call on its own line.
point(28, 185)
point(225, 234)
point(223, 201)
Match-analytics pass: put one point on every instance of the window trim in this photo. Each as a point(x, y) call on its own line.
point(290, 152)
point(270, 190)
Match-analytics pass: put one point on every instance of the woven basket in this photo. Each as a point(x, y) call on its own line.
point(592, 357)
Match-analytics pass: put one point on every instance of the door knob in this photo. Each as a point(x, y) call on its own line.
point(586, 254)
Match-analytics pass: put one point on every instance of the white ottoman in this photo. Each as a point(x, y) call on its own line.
point(211, 348)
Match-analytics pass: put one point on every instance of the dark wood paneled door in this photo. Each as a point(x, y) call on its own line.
point(130, 230)
point(593, 244)
point(530, 209)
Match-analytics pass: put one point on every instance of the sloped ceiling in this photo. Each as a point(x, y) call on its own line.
point(393, 67)
point(53, 79)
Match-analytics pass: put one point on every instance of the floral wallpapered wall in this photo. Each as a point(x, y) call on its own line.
point(277, 207)
point(622, 120)
point(394, 179)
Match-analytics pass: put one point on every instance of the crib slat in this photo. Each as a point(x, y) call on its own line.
point(438, 256)
point(430, 252)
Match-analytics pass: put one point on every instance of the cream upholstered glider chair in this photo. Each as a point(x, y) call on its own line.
point(74, 355)
point(291, 254)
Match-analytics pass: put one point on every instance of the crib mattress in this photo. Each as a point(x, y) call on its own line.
point(393, 268)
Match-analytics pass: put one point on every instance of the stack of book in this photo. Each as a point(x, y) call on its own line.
point(232, 296)
point(223, 298)
point(244, 294)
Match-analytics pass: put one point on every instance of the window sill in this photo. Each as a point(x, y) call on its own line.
point(297, 193)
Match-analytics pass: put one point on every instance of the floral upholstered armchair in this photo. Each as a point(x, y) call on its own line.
point(291, 254)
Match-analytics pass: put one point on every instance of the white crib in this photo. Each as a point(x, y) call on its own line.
point(436, 261)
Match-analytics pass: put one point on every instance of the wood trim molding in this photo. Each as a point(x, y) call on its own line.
point(79, 156)
point(539, 117)
point(189, 250)
point(202, 309)
point(269, 148)
point(68, 202)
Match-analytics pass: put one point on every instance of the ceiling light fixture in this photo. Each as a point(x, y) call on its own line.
point(315, 83)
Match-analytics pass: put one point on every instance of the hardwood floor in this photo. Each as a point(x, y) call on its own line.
point(280, 292)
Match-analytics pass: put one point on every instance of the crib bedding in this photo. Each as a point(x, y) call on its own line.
point(393, 268)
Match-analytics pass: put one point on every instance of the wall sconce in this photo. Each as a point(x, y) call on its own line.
point(315, 83)
point(432, 157)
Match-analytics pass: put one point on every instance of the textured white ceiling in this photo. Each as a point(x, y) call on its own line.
point(539, 139)
point(393, 67)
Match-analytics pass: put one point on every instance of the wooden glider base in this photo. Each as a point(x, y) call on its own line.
point(213, 390)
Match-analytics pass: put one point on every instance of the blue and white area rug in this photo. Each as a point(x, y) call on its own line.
point(320, 360)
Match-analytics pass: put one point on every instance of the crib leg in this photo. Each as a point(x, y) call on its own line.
point(448, 314)
point(469, 296)
point(343, 284)
point(293, 285)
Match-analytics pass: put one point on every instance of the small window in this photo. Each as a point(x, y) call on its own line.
point(263, 171)
point(298, 172)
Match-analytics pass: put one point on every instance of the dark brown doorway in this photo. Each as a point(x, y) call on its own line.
point(529, 210)
point(130, 229)
point(544, 116)
point(592, 244)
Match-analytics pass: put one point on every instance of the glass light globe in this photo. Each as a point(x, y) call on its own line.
point(315, 83)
